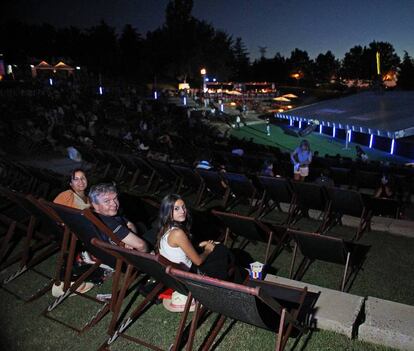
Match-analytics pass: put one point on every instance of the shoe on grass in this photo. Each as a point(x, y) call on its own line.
point(177, 303)
point(57, 290)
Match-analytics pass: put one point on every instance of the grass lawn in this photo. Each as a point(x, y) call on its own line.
point(319, 142)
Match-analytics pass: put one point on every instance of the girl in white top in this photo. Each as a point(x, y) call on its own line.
point(173, 235)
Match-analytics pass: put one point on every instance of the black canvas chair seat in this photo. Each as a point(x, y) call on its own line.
point(162, 172)
point(214, 187)
point(278, 190)
point(253, 230)
point(190, 180)
point(347, 202)
point(241, 187)
point(262, 304)
point(383, 207)
point(341, 176)
point(314, 246)
point(23, 225)
point(154, 266)
point(310, 196)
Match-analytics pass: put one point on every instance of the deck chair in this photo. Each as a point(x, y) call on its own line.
point(54, 236)
point(213, 188)
point(347, 202)
point(84, 226)
point(162, 172)
point(142, 171)
point(314, 246)
point(341, 176)
point(22, 227)
point(383, 207)
point(277, 190)
point(241, 188)
point(367, 180)
point(253, 230)
point(310, 196)
point(154, 266)
point(265, 305)
point(189, 180)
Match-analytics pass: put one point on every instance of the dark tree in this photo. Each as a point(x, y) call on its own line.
point(241, 61)
point(326, 67)
point(406, 73)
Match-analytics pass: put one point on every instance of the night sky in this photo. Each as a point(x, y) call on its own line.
point(281, 26)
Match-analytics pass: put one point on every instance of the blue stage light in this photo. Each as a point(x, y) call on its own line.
point(392, 146)
point(349, 135)
point(300, 124)
point(100, 90)
point(185, 101)
point(371, 140)
point(333, 132)
point(320, 129)
point(155, 95)
point(50, 81)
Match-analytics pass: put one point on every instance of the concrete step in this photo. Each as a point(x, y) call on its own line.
point(335, 310)
point(388, 323)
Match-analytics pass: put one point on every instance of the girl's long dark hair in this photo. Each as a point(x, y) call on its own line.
point(165, 218)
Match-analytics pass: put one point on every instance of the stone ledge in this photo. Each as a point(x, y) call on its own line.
point(335, 310)
point(388, 323)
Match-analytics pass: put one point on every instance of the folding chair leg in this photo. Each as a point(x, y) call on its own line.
point(279, 343)
point(193, 328)
point(292, 264)
point(183, 321)
point(345, 271)
point(6, 240)
point(214, 333)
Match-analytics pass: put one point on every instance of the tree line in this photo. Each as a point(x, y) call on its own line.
point(182, 45)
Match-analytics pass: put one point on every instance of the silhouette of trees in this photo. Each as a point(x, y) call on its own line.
point(406, 73)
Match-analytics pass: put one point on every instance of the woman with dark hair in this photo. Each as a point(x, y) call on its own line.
point(173, 239)
point(75, 197)
point(174, 243)
point(301, 158)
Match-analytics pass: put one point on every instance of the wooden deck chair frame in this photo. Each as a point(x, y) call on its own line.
point(213, 188)
point(132, 257)
point(356, 207)
point(191, 179)
point(69, 288)
point(349, 254)
point(316, 199)
point(235, 182)
point(249, 296)
point(27, 256)
point(273, 188)
point(29, 262)
point(269, 234)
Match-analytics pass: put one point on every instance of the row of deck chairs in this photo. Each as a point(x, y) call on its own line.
point(270, 306)
point(281, 309)
point(27, 179)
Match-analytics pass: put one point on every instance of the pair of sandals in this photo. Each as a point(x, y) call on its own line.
point(57, 289)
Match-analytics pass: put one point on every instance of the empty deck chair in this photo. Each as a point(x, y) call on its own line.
point(53, 235)
point(367, 181)
point(154, 266)
point(314, 246)
point(347, 202)
point(190, 181)
point(22, 225)
point(342, 177)
point(214, 188)
point(265, 305)
point(162, 172)
point(252, 230)
point(383, 207)
point(84, 226)
point(310, 196)
point(242, 188)
point(277, 190)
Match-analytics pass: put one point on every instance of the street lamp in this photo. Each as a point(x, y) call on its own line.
point(203, 73)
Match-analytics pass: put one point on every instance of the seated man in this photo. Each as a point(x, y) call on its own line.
point(104, 199)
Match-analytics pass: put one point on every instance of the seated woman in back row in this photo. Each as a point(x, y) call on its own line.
point(75, 197)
